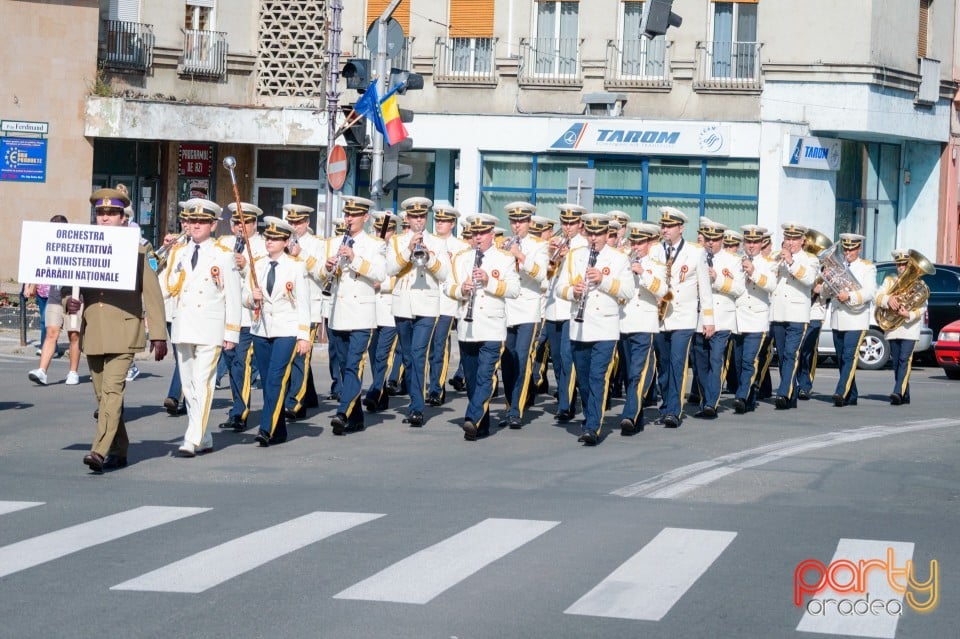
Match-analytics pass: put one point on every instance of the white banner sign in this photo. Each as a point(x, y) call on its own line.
point(811, 153)
point(79, 255)
point(641, 136)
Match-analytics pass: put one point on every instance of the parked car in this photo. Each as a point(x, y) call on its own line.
point(874, 350)
point(948, 349)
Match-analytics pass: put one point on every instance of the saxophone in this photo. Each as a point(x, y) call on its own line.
point(909, 289)
point(663, 304)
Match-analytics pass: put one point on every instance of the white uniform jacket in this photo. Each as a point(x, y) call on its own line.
point(639, 313)
point(856, 313)
point(354, 304)
point(556, 308)
point(312, 253)
point(753, 307)
point(790, 300)
point(490, 302)
point(286, 311)
point(259, 249)
point(728, 286)
point(206, 299)
point(416, 290)
point(692, 303)
point(601, 316)
point(910, 329)
point(450, 306)
point(525, 309)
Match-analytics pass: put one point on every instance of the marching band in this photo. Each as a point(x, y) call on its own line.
point(602, 296)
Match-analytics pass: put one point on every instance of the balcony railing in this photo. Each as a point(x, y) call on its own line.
point(204, 53)
point(399, 59)
point(728, 65)
point(127, 46)
point(638, 63)
point(466, 60)
point(550, 61)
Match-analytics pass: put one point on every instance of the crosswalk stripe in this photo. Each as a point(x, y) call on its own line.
point(830, 620)
point(216, 565)
point(646, 586)
point(425, 574)
point(14, 506)
point(37, 550)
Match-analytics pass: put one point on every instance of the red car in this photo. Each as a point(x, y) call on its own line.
point(947, 349)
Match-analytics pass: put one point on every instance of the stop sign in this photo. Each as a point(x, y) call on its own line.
point(337, 167)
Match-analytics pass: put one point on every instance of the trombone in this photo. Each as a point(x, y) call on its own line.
point(162, 254)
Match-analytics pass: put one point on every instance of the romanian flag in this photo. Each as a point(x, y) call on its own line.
point(390, 115)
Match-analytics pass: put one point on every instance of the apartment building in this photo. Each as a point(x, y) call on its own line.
point(840, 115)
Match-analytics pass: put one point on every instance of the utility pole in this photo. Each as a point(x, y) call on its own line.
point(383, 72)
point(333, 102)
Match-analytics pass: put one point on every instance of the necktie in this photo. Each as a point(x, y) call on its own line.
point(271, 277)
point(196, 256)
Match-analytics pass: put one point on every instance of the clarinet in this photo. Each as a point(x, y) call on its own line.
point(591, 262)
point(709, 259)
point(473, 293)
point(240, 244)
point(328, 285)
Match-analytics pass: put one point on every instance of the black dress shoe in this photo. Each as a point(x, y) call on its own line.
point(564, 415)
point(262, 438)
point(589, 438)
point(837, 400)
point(514, 423)
point(339, 424)
point(94, 461)
point(334, 397)
point(415, 419)
point(114, 461)
point(671, 421)
point(469, 430)
point(370, 404)
point(782, 402)
point(707, 412)
point(458, 384)
point(392, 388)
point(804, 395)
point(277, 439)
point(739, 406)
point(627, 427)
point(434, 400)
point(295, 414)
point(172, 405)
point(906, 400)
point(895, 399)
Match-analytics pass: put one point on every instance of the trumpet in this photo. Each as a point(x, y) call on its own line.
point(557, 253)
point(420, 256)
point(327, 289)
point(162, 254)
point(477, 260)
point(582, 306)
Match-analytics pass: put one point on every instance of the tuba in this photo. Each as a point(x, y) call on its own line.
point(815, 242)
point(836, 272)
point(911, 291)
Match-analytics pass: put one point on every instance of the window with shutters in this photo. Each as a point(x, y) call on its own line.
point(557, 43)
point(204, 49)
point(731, 60)
point(126, 45)
point(634, 56)
point(289, 52)
point(468, 52)
point(922, 28)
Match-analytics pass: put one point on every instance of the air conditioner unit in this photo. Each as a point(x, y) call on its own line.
point(603, 103)
point(929, 91)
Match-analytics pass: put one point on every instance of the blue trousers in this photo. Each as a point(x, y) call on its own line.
point(847, 346)
point(516, 365)
point(439, 356)
point(561, 352)
point(480, 361)
point(673, 349)
point(787, 337)
point(383, 344)
point(301, 392)
point(334, 366)
point(638, 360)
point(748, 355)
point(593, 362)
point(541, 356)
point(709, 357)
point(808, 356)
point(176, 388)
point(274, 355)
point(240, 364)
point(350, 347)
point(415, 335)
point(901, 357)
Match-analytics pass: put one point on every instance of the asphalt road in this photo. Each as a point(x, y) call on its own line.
point(402, 532)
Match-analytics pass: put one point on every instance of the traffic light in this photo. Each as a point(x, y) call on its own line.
point(356, 133)
point(657, 17)
point(393, 169)
point(357, 74)
point(408, 80)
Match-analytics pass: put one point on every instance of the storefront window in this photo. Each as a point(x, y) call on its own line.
point(670, 175)
point(507, 170)
point(282, 164)
point(552, 171)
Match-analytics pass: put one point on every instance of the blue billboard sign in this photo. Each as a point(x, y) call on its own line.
point(23, 159)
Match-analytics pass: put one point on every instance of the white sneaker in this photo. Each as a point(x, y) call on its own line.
point(72, 378)
point(38, 375)
point(132, 373)
point(39, 351)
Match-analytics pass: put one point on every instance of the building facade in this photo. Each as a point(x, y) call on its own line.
point(840, 115)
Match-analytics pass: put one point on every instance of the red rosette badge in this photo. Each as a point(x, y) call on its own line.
point(605, 270)
point(215, 274)
point(495, 274)
point(683, 272)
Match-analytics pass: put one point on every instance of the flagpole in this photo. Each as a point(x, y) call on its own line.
point(383, 71)
point(333, 99)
